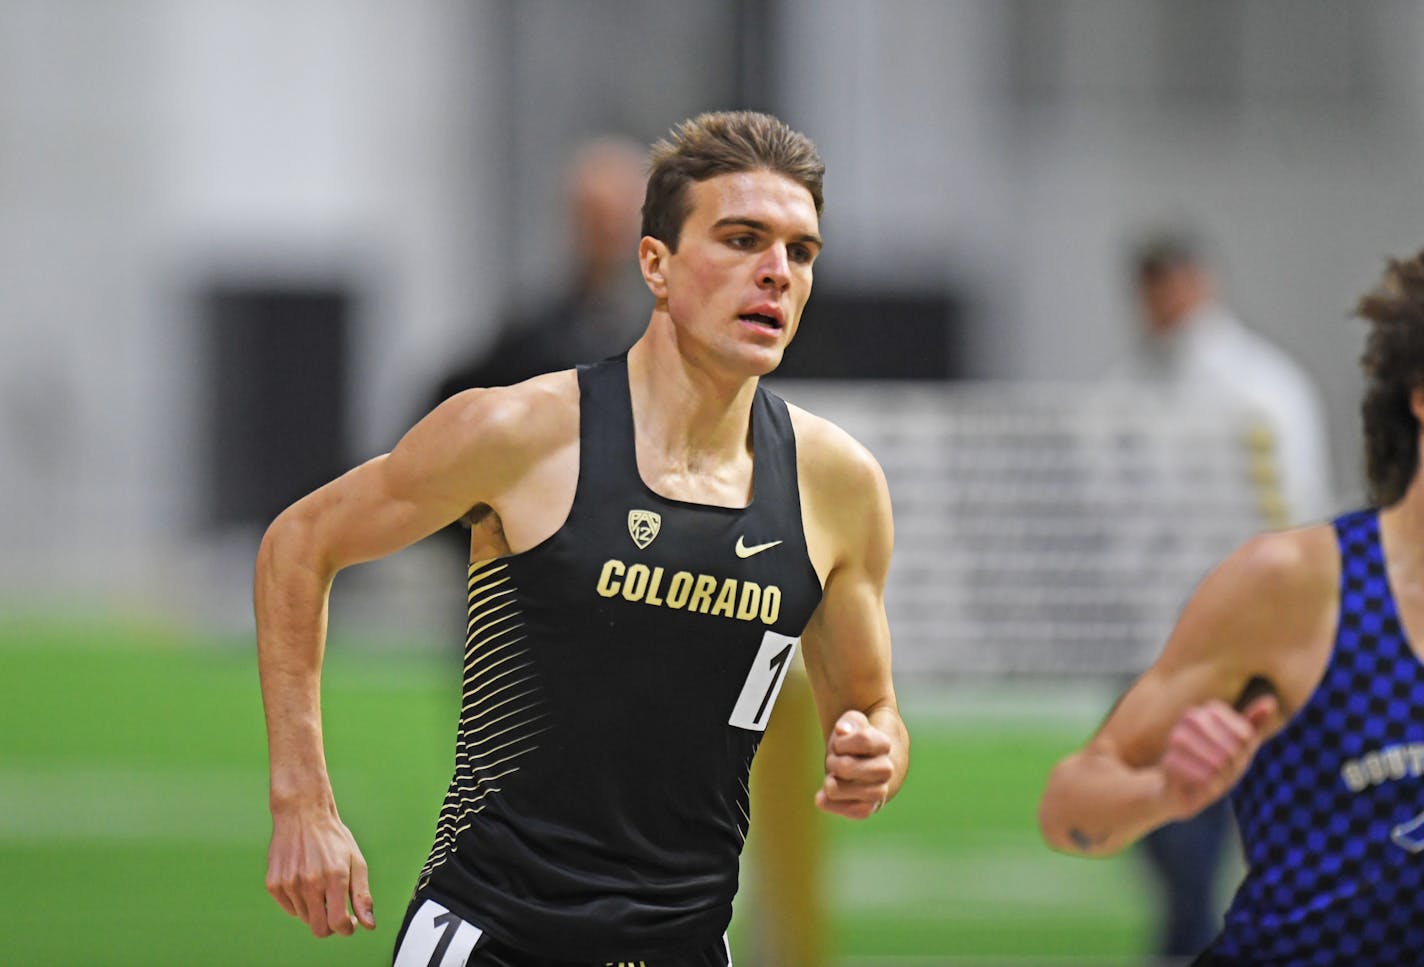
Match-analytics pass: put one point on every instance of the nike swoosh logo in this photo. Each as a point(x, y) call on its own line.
point(744, 551)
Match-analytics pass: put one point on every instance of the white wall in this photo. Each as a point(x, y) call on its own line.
point(77, 434)
point(893, 95)
point(151, 145)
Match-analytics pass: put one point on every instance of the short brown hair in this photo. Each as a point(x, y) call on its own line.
point(722, 143)
point(1394, 367)
point(1155, 255)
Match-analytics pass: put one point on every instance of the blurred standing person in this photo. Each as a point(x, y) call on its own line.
point(627, 642)
point(1292, 682)
point(596, 316)
point(1190, 340)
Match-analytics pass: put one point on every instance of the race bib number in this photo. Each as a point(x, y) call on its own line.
point(437, 938)
point(759, 691)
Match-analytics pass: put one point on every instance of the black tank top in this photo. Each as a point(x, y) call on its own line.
point(618, 679)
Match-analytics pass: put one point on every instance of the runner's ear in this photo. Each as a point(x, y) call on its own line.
point(652, 259)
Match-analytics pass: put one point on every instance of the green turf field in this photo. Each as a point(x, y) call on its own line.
point(133, 822)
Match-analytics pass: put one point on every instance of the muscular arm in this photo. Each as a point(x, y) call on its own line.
point(846, 644)
point(1175, 742)
point(466, 452)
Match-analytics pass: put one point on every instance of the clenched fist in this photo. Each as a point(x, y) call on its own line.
point(858, 768)
point(1209, 749)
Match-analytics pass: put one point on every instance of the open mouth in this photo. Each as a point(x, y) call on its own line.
point(760, 319)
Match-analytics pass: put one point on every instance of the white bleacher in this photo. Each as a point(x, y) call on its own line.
point(1049, 530)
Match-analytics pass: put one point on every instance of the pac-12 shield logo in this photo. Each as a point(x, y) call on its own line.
point(643, 526)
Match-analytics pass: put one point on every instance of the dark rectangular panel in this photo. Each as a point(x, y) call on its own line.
point(867, 335)
point(277, 364)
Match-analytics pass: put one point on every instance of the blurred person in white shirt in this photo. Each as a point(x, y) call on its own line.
point(1191, 342)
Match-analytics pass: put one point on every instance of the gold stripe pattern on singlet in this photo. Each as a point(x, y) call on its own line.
point(744, 803)
point(499, 711)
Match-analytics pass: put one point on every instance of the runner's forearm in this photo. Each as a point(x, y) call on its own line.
point(290, 600)
point(1096, 805)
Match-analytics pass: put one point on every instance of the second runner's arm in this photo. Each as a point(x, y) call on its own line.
point(1176, 741)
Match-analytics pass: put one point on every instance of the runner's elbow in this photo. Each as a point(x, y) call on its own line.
point(1053, 824)
point(292, 541)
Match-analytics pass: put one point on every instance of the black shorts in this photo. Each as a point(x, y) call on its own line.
point(434, 936)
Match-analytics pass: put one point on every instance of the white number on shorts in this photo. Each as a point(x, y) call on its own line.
point(437, 938)
point(759, 691)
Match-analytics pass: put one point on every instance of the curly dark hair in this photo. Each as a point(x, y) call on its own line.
point(721, 143)
point(1394, 368)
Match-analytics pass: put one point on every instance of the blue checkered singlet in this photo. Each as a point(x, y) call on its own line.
point(1331, 811)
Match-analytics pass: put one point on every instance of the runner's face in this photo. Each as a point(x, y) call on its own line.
point(742, 272)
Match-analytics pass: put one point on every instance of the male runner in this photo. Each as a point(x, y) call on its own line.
point(669, 534)
point(1293, 671)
